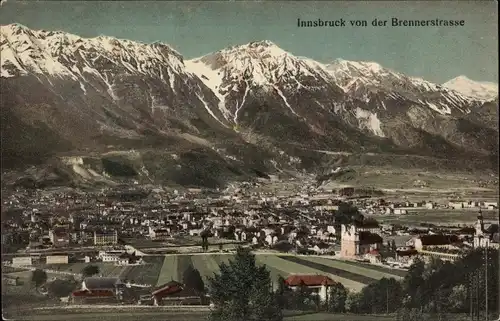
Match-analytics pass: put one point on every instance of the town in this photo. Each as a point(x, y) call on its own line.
point(142, 239)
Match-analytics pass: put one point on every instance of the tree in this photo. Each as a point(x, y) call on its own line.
point(347, 214)
point(90, 270)
point(412, 284)
point(282, 292)
point(337, 298)
point(384, 295)
point(352, 302)
point(301, 298)
point(242, 291)
point(192, 279)
point(61, 288)
point(442, 287)
point(204, 239)
point(283, 246)
point(39, 277)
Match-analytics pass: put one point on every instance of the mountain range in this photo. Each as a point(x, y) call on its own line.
point(108, 108)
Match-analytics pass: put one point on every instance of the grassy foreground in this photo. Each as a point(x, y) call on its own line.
point(122, 315)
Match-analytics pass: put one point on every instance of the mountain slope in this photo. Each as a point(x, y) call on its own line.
point(237, 113)
point(350, 106)
point(291, 100)
point(102, 94)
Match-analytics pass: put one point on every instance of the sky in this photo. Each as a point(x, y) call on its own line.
point(197, 28)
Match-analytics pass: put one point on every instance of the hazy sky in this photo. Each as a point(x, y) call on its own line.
point(197, 28)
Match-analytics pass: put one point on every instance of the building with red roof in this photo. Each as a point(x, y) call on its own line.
point(175, 293)
point(99, 290)
point(319, 284)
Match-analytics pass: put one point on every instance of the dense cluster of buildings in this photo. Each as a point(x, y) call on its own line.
point(39, 219)
point(301, 221)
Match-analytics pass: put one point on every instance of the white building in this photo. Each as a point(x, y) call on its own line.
point(22, 261)
point(114, 257)
point(320, 285)
point(57, 259)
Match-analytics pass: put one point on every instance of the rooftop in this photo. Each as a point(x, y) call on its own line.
point(308, 280)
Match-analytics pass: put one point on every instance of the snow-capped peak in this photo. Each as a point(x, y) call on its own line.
point(481, 90)
point(261, 63)
point(364, 79)
point(24, 51)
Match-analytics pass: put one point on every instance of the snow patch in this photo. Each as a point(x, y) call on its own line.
point(212, 79)
point(209, 110)
point(369, 121)
point(238, 108)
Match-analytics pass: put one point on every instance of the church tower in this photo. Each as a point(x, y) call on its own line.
point(349, 244)
point(479, 230)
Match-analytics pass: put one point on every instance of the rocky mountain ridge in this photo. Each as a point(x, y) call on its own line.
point(254, 107)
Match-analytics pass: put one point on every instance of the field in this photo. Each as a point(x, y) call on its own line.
point(353, 275)
point(439, 216)
point(391, 178)
point(162, 269)
point(105, 269)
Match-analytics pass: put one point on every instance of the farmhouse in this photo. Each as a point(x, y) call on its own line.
point(96, 296)
point(99, 290)
point(319, 284)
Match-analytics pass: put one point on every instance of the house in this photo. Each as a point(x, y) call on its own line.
point(159, 233)
point(319, 284)
point(118, 257)
point(96, 296)
point(105, 237)
point(99, 290)
point(59, 237)
point(322, 248)
point(175, 293)
point(400, 211)
point(456, 205)
point(437, 240)
point(271, 239)
point(368, 225)
point(129, 259)
point(330, 229)
point(491, 205)
point(373, 256)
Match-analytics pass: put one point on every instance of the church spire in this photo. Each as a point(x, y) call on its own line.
point(480, 223)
